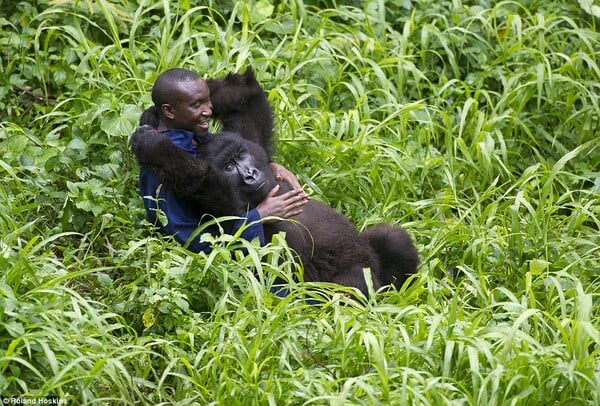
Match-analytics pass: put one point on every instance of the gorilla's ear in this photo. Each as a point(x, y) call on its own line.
point(151, 117)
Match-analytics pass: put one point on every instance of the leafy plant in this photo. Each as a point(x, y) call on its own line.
point(473, 124)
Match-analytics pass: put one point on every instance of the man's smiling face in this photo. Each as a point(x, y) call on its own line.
point(192, 109)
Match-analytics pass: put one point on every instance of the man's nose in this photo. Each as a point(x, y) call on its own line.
point(207, 109)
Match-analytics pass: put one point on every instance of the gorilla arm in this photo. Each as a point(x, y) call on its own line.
point(243, 107)
point(189, 178)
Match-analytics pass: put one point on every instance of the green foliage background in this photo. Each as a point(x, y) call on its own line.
point(474, 124)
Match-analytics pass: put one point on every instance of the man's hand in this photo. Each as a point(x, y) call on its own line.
point(285, 206)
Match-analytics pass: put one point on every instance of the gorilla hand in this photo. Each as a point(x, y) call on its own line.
point(151, 117)
point(147, 143)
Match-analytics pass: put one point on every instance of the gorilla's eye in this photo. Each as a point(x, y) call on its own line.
point(229, 167)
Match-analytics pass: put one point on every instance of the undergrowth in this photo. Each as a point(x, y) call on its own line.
point(474, 125)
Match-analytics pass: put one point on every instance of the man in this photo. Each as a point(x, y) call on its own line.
point(182, 100)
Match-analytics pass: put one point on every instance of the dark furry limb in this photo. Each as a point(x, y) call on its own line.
point(151, 117)
point(189, 178)
point(243, 107)
point(397, 254)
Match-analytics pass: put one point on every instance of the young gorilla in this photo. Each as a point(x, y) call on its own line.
point(328, 245)
point(235, 174)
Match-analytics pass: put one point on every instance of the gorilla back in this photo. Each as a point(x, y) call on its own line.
point(329, 246)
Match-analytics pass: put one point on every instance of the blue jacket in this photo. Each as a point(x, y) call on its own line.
point(181, 218)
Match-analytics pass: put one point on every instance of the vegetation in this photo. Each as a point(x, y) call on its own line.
point(474, 124)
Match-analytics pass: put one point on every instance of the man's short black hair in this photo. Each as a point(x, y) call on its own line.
point(167, 83)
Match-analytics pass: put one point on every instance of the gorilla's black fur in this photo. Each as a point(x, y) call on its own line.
point(242, 107)
point(189, 178)
point(234, 173)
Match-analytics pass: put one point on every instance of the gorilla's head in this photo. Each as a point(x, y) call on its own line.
point(244, 163)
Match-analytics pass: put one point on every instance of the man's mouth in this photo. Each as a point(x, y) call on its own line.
point(202, 127)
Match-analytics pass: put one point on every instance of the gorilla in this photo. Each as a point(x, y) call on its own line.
point(234, 174)
point(328, 245)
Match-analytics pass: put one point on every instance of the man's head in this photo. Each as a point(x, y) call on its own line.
point(183, 99)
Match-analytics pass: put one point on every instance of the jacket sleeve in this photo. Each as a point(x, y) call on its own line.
point(253, 227)
point(249, 224)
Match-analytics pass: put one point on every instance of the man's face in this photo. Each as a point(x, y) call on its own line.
point(192, 109)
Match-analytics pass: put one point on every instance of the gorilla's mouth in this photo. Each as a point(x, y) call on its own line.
point(254, 188)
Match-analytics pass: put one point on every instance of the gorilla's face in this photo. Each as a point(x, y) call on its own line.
point(244, 170)
point(245, 165)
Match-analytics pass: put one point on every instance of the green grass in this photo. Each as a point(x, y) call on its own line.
point(472, 124)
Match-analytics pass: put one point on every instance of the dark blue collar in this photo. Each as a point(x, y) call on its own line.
point(184, 139)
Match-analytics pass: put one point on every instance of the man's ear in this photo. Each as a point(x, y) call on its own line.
point(167, 111)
